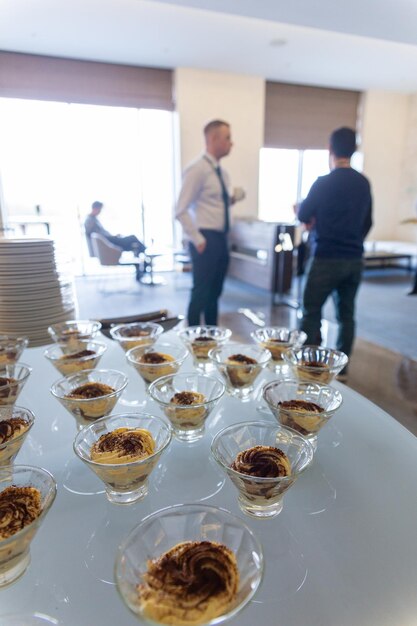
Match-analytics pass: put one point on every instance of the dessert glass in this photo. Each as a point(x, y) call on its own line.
point(187, 420)
point(125, 482)
point(258, 496)
point(326, 363)
point(11, 348)
point(70, 335)
point(307, 423)
point(87, 410)
point(15, 550)
point(200, 340)
point(277, 339)
point(9, 391)
point(137, 334)
point(69, 366)
point(162, 530)
point(151, 371)
point(10, 448)
point(240, 377)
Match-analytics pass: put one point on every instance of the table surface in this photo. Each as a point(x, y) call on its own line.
point(343, 552)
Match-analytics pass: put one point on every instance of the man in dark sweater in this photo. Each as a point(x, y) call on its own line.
point(338, 212)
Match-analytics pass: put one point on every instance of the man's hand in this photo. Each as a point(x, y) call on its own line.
point(201, 247)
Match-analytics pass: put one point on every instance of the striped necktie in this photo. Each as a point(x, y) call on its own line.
point(226, 199)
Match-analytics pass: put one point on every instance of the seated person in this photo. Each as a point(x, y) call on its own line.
point(93, 225)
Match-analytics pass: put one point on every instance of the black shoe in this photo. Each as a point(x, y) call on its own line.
point(412, 293)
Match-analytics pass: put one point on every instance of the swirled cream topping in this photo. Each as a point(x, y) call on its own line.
point(12, 428)
point(134, 332)
point(19, 507)
point(302, 406)
point(318, 364)
point(155, 358)
point(241, 359)
point(123, 445)
point(263, 462)
point(76, 355)
point(192, 583)
point(187, 398)
point(90, 390)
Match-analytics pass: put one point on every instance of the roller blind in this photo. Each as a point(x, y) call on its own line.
point(302, 117)
point(84, 82)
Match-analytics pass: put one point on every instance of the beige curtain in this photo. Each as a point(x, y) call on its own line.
point(302, 117)
point(86, 82)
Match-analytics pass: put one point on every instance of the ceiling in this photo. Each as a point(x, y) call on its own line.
point(360, 44)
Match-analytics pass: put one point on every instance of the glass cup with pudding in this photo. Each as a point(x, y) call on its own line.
point(240, 366)
point(14, 429)
point(303, 407)
point(123, 450)
point(262, 460)
point(11, 348)
point(12, 380)
point(72, 334)
point(160, 359)
point(200, 340)
point(315, 364)
point(91, 394)
point(277, 340)
point(137, 334)
point(26, 495)
point(187, 400)
point(189, 564)
point(67, 363)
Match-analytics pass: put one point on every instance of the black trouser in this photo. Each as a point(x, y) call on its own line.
point(209, 272)
point(131, 242)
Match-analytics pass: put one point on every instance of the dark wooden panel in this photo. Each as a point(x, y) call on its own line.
point(253, 256)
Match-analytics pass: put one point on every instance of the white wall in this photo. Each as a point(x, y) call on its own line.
point(408, 189)
point(240, 100)
point(389, 141)
point(384, 131)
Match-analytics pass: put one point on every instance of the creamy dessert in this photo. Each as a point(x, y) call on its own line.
point(123, 445)
point(11, 431)
point(134, 337)
point(301, 415)
point(8, 390)
point(239, 375)
point(121, 457)
point(261, 462)
point(8, 356)
point(201, 346)
point(76, 361)
point(153, 365)
point(276, 347)
point(192, 583)
point(19, 507)
point(98, 405)
point(73, 340)
point(184, 413)
point(314, 370)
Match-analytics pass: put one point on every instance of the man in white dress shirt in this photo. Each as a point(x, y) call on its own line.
point(203, 211)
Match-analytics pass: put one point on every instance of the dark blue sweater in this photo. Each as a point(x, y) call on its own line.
point(340, 206)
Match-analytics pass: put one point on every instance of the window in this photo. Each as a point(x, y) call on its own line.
point(285, 178)
point(62, 157)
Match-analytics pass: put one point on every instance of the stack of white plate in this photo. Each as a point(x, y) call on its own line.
point(34, 291)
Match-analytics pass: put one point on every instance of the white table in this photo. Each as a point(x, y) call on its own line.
point(342, 553)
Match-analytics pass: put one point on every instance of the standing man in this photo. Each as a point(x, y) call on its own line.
point(203, 212)
point(338, 212)
point(93, 225)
